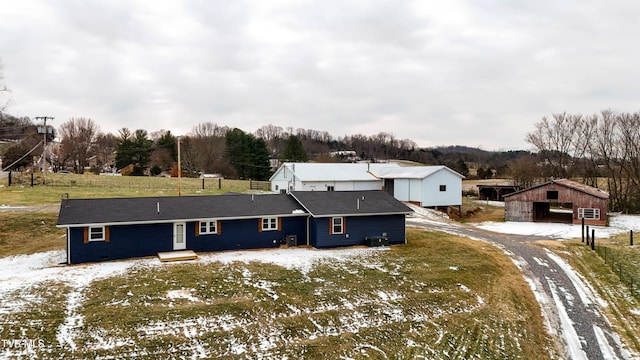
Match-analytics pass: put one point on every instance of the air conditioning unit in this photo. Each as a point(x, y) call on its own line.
point(292, 240)
point(372, 241)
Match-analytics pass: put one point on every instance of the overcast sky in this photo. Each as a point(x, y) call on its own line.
point(478, 73)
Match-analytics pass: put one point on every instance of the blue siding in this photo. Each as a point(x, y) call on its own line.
point(125, 242)
point(243, 234)
point(147, 240)
point(357, 229)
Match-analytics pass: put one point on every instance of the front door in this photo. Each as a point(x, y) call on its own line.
point(179, 236)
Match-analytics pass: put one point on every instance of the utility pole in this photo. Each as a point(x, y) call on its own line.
point(179, 166)
point(44, 146)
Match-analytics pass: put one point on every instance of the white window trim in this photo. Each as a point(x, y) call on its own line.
point(98, 230)
point(591, 213)
point(269, 224)
point(333, 225)
point(211, 226)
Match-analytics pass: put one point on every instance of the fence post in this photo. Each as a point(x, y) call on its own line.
point(593, 239)
point(203, 183)
point(582, 229)
point(32, 179)
point(587, 234)
point(631, 237)
point(9, 183)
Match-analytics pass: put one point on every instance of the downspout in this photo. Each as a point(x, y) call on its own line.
point(68, 247)
point(308, 231)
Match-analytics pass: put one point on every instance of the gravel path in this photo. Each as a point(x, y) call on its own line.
point(570, 307)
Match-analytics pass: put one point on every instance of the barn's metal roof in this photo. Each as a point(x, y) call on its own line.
point(568, 184)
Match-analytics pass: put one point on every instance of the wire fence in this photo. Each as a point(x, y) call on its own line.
point(130, 182)
point(622, 257)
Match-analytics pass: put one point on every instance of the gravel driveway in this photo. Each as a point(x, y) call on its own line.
point(571, 308)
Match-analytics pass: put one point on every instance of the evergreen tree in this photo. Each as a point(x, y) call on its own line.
point(294, 151)
point(237, 151)
point(248, 155)
point(133, 149)
point(260, 167)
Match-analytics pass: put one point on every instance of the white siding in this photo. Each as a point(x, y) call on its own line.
point(368, 185)
point(338, 185)
point(280, 180)
point(401, 189)
point(431, 189)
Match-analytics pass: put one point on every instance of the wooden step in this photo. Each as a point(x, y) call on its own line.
point(177, 255)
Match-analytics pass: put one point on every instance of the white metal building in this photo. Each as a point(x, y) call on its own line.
point(327, 177)
point(427, 186)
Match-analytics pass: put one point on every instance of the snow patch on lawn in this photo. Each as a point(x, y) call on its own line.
point(617, 224)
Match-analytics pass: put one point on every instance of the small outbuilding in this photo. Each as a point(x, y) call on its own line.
point(495, 192)
point(559, 200)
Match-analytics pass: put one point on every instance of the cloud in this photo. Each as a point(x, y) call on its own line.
point(439, 73)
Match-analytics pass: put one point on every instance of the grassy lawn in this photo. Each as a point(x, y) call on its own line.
point(410, 301)
point(438, 297)
point(21, 193)
point(28, 232)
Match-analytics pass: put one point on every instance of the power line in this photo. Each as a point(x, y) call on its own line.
point(23, 156)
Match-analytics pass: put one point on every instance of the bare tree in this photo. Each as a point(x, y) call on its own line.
point(556, 141)
point(4, 92)
point(525, 171)
point(270, 132)
point(105, 148)
point(204, 148)
point(78, 138)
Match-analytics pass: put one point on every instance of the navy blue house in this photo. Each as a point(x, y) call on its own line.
point(348, 218)
point(118, 228)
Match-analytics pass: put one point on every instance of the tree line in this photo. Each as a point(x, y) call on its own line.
point(596, 148)
point(211, 148)
point(601, 150)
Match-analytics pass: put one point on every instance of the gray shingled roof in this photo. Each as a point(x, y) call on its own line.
point(145, 209)
point(353, 203)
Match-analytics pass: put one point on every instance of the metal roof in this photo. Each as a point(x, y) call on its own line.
point(569, 184)
point(412, 172)
point(336, 171)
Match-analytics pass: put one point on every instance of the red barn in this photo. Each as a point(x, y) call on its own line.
point(558, 200)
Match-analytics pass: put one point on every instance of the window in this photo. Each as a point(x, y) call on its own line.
point(588, 213)
point(270, 223)
point(337, 225)
point(96, 233)
point(552, 195)
point(443, 187)
point(208, 227)
point(330, 188)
